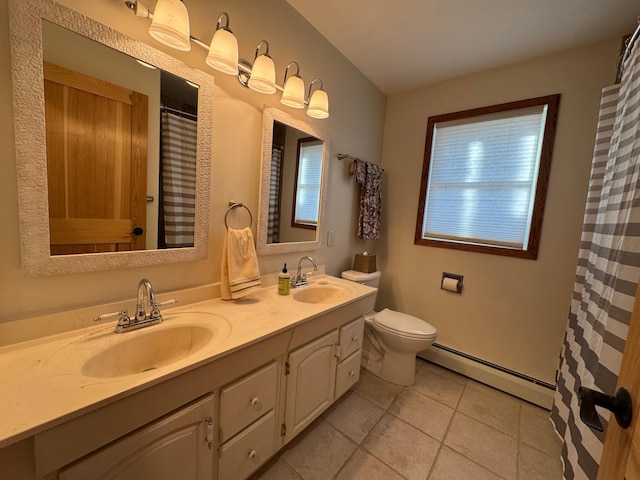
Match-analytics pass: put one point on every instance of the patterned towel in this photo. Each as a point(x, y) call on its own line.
point(240, 271)
point(369, 176)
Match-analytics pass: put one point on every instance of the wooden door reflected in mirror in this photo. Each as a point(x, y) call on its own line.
point(96, 136)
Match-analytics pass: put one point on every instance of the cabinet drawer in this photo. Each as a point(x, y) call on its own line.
point(247, 400)
point(242, 455)
point(348, 373)
point(351, 337)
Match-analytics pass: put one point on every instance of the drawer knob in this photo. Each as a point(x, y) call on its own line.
point(352, 373)
point(354, 339)
point(253, 454)
point(255, 401)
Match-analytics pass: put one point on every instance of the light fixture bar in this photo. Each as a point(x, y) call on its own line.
point(243, 66)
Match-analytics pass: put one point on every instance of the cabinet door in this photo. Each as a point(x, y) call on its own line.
point(311, 383)
point(177, 446)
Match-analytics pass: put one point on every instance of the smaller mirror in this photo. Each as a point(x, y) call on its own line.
point(293, 184)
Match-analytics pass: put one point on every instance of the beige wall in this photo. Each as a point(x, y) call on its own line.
point(355, 126)
point(512, 312)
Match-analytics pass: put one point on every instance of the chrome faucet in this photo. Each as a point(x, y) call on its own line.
point(141, 318)
point(301, 278)
point(146, 290)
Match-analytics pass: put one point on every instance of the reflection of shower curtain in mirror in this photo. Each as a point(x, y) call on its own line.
point(178, 179)
point(273, 223)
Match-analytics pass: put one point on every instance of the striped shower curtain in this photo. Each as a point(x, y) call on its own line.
point(273, 220)
point(178, 179)
point(607, 273)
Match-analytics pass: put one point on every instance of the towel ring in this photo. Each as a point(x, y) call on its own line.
point(236, 205)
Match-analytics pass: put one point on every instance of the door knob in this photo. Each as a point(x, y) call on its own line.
point(136, 231)
point(619, 404)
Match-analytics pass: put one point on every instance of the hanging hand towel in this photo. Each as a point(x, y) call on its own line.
point(369, 176)
point(240, 271)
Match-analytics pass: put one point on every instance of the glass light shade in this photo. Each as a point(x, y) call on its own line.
point(263, 75)
point(170, 24)
point(223, 52)
point(145, 64)
point(293, 95)
point(318, 104)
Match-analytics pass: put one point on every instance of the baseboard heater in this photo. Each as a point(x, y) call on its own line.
point(522, 376)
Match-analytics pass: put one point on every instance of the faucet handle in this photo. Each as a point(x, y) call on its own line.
point(124, 320)
point(155, 310)
point(155, 307)
point(167, 302)
point(104, 316)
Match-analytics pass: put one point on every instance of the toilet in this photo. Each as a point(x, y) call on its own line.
point(392, 339)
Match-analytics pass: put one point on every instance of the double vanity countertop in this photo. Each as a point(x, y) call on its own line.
point(53, 379)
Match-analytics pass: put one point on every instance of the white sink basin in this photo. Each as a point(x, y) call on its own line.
point(148, 349)
point(319, 294)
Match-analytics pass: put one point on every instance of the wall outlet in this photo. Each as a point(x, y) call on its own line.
point(331, 237)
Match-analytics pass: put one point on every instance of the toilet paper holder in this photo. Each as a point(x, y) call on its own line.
point(451, 282)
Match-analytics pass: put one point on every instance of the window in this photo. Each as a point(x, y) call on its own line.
point(306, 197)
point(484, 178)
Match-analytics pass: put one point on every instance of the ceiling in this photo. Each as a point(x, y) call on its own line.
point(405, 44)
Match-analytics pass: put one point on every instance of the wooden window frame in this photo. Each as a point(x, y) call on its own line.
point(552, 102)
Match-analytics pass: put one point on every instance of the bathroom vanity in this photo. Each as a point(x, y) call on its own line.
point(212, 392)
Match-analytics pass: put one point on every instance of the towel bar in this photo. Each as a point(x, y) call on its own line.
point(342, 156)
point(233, 205)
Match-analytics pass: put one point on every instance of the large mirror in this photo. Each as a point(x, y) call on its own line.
point(293, 184)
point(49, 46)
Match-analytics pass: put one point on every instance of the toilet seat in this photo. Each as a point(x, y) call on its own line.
point(403, 325)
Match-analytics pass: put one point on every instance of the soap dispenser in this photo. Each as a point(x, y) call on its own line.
point(284, 281)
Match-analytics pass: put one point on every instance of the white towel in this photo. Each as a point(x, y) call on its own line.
point(240, 271)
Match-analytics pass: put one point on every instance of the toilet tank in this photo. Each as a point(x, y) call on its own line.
point(370, 279)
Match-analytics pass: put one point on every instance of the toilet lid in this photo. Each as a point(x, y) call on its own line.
point(403, 324)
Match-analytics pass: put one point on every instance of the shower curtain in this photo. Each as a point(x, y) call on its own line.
point(273, 220)
point(178, 179)
point(607, 273)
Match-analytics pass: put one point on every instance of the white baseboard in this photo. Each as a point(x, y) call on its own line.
point(518, 387)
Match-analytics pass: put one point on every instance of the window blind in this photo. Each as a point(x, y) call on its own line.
point(482, 177)
point(308, 183)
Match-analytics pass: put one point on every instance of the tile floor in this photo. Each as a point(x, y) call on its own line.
point(445, 427)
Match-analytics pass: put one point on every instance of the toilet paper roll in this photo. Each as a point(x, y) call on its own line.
point(450, 284)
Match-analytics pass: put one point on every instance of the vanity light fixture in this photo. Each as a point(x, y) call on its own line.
point(318, 102)
point(293, 94)
point(170, 24)
point(223, 52)
point(263, 72)
point(138, 9)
